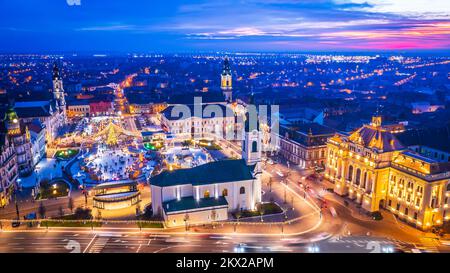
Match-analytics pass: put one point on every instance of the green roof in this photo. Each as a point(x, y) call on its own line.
point(11, 114)
point(213, 172)
point(189, 203)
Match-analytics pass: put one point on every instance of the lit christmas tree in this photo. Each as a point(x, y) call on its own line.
point(112, 138)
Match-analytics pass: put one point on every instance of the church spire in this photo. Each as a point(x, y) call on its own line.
point(226, 80)
point(376, 118)
point(55, 72)
point(58, 92)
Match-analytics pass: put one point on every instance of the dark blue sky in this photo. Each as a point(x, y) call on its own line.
point(251, 25)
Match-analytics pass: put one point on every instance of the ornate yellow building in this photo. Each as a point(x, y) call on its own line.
point(375, 170)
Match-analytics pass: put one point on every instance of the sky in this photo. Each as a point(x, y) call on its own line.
point(224, 25)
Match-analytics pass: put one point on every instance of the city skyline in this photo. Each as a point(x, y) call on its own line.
point(202, 26)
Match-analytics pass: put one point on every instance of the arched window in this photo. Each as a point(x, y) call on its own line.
point(206, 194)
point(254, 147)
point(225, 192)
point(350, 173)
point(242, 190)
point(358, 176)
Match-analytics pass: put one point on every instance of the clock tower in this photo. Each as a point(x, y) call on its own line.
point(58, 92)
point(226, 80)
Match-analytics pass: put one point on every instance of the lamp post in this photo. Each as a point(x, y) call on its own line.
point(17, 205)
point(186, 219)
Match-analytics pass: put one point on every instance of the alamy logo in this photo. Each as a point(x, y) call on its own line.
point(73, 2)
point(220, 121)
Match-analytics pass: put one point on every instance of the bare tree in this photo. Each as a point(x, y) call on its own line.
point(70, 204)
point(186, 219)
point(261, 211)
point(213, 216)
point(238, 213)
point(42, 210)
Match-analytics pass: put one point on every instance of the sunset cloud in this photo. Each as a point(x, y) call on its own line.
point(273, 25)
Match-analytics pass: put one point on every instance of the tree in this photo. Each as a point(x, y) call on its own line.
point(186, 219)
point(42, 210)
point(70, 204)
point(112, 139)
point(213, 216)
point(238, 213)
point(138, 209)
point(83, 214)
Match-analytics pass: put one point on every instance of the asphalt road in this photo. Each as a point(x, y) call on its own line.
point(132, 242)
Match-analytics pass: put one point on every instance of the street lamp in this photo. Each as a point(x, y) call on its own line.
point(17, 205)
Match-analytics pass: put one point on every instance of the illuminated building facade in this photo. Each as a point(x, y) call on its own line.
point(305, 144)
point(375, 170)
point(8, 169)
point(20, 136)
point(38, 146)
point(212, 121)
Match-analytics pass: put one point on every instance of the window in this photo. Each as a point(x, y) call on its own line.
point(242, 190)
point(206, 194)
point(406, 211)
point(358, 176)
point(415, 215)
point(254, 147)
point(350, 173)
point(448, 187)
point(225, 192)
point(398, 206)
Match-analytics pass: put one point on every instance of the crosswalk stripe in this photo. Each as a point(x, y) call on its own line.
point(99, 245)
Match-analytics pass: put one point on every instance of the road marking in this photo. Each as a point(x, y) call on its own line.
point(93, 238)
point(99, 244)
point(139, 248)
